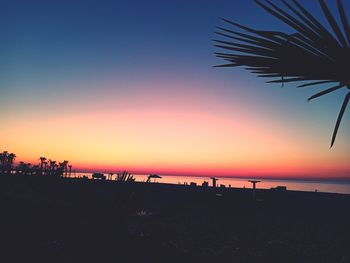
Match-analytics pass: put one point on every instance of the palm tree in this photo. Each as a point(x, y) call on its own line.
point(62, 169)
point(36, 169)
point(29, 169)
point(24, 168)
point(312, 55)
point(52, 167)
point(3, 160)
point(46, 167)
point(6, 161)
point(70, 170)
point(64, 166)
point(42, 162)
point(10, 159)
point(21, 168)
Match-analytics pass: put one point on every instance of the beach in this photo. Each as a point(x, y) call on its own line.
point(175, 131)
point(77, 220)
point(327, 185)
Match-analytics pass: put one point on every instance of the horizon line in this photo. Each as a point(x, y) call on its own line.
point(267, 177)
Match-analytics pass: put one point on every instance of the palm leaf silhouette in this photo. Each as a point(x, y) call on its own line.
point(311, 55)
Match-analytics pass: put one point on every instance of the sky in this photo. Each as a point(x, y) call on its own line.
point(113, 85)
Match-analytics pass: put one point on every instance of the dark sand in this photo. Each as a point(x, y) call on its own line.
point(71, 220)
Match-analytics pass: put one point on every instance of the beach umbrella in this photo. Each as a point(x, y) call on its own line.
point(254, 182)
point(152, 176)
point(214, 181)
point(313, 54)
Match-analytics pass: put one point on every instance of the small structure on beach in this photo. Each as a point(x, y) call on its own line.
point(152, 176)
point(254, 182)
point(99, 176)
point(214, 181)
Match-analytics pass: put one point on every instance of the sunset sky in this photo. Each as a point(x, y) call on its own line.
point(112, 85)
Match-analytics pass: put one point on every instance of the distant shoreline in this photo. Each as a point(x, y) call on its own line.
point(340, 187)
point(311, 179)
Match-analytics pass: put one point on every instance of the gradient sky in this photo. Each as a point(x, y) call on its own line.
point(112, 85)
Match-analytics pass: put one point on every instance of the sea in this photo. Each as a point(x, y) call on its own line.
point(329, 186)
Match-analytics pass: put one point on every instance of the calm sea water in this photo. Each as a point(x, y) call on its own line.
point(299, 185)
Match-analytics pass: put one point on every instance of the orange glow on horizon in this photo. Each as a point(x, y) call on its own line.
point(181, 133)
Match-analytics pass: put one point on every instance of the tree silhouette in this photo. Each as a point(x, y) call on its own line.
point(44, 167)
point(52, 167)
point(24, 168)
point(10, 159)
point(70, 170)
point(42, 164)
point(3, 160)
point(312, 54)
point(63, 168)
point(6, 161)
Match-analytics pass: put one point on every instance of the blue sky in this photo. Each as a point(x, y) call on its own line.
point(56, 53)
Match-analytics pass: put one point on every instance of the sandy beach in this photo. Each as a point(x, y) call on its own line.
point(75, 220)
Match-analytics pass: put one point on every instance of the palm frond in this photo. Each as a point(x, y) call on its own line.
point(340, 116)
point(324, 92)
point(314, 83)
point(312, 54)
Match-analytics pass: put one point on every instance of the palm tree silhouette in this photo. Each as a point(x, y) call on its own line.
point(3, 160)
point(6, 161)
point(24, 168)
point(10, 159)
point(52, 167)
point(312, 55)
point(62, 169)
point(70, 170)
point(42, 163)
point(45, 167)
point(65, 167)
point(2, 157)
